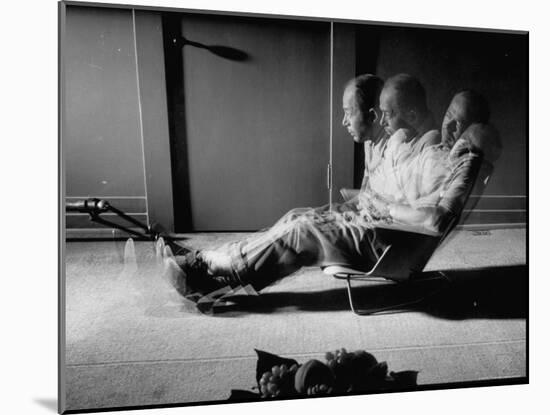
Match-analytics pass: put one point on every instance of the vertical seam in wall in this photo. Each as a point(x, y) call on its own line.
point(331, 80)
point(61, 232)
point(140, 115)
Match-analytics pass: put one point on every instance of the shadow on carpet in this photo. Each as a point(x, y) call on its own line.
point(496, 293)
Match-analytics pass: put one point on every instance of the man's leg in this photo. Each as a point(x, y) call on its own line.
point(303, 237)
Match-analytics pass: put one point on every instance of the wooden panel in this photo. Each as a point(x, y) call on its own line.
point(101, 135)
point(490, 210)
point(256, 131)
point(477, 216)
point(156, 139)
point(502, 202)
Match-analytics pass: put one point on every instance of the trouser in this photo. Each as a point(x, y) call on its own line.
point(305, 237)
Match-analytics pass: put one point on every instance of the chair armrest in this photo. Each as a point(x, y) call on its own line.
point(348, 194)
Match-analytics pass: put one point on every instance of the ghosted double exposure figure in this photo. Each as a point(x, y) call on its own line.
point(412, 181)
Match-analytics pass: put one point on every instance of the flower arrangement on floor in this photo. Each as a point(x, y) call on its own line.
point(342, 372)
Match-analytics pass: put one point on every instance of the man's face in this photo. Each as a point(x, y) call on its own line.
point(354, 120)
point(392, 119)
point(455, 121)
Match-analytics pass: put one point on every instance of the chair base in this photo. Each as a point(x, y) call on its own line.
point(440, 276)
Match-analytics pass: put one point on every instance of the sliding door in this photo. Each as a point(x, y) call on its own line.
point(249, 109)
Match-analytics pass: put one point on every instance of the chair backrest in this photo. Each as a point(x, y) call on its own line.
point(483, 177)
point(410, 252)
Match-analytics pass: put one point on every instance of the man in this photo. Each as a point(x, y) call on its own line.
point(360, 105)
point(409, 124)
point(362, 120)
point(439, 181)
point(404, 107)
point(466, 107)
point(325, 235)
point(344, 234)
point(405, 127)
point(411, 188)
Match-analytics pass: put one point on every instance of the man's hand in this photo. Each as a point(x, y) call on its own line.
point(381, 207)
point(377, 209)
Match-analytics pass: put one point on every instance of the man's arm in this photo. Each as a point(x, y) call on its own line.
point(430, 220)
point(434, 219)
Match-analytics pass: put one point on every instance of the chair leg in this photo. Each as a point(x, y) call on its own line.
point(394, 307)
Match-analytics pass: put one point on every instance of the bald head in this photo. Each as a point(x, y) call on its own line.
point(360, 104)
point(367, 89)
point(403, 103)
point(466, 107)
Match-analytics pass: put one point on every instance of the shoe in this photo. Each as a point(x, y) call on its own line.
point(192, 280)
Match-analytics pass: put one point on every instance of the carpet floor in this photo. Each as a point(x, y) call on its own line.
point(131, 341)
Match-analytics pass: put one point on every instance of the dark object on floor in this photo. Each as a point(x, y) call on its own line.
point(342, 373)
